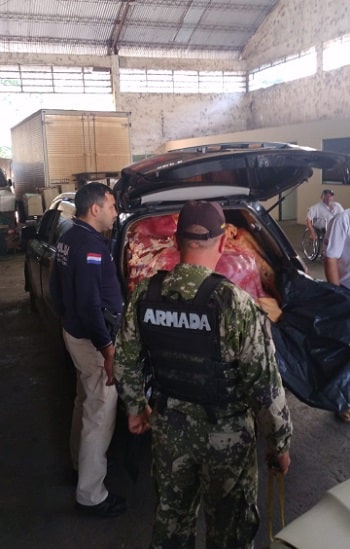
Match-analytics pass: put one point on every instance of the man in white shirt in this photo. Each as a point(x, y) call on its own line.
point(337, 259)
point(319, 215)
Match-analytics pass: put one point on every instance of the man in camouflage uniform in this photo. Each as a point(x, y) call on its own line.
point(214, 375)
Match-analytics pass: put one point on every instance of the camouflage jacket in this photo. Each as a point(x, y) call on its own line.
point(245, 338)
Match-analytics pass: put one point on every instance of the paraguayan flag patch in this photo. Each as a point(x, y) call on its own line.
point(94, 259)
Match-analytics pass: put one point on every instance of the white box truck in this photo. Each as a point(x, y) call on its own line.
point(57, 147)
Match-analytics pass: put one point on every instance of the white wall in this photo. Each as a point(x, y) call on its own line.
point(296, 25)
point(154, 119)
point(157, 117)
point(293, 26)
point(300, 108)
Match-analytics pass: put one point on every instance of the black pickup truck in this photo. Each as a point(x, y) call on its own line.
point(312, 340)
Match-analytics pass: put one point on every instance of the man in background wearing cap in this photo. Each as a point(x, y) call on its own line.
point(214, 374)
point(320, 214)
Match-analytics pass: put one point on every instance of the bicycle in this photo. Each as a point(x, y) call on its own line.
point(312, 248)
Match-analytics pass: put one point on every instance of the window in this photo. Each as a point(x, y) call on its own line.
point(181, 81)
point(336, 53)
point(49, 79)
point(286, 70)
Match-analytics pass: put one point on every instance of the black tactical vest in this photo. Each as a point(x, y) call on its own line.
point(181, 340)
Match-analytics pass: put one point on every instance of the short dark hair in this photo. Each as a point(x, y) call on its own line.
point(89, 194)
point(327, 191)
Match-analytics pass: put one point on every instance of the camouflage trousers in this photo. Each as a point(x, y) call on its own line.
point(197, 461)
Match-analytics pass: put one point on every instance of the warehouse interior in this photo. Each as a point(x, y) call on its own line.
point(185, 72)
point(195, 47)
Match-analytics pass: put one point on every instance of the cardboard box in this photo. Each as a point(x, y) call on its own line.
point(33, 204)
point(67, 187)
point(48, 194)
point(7, 201)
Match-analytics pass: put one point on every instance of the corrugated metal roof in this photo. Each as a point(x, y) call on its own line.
point(105, 26)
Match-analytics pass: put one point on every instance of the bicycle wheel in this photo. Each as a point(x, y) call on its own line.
point(311, 248)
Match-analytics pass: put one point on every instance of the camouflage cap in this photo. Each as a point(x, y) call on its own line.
point(208, 215)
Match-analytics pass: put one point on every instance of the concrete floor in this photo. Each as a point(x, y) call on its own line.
point(36, 491)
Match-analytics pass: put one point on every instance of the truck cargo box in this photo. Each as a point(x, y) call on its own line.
point(50, 146)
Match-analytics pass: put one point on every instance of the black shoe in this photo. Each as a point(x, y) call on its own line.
point(112, 506)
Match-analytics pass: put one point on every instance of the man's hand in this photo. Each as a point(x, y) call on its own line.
point(140, 424)
point(108, 355)
point(313, 235)
point(279, 463)
point(311, 229)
